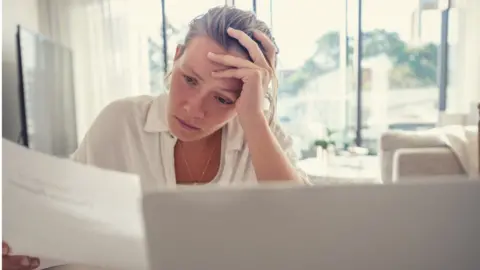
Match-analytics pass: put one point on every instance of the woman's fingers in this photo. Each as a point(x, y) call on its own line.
point(237, 73)
point(270, 48)
point(5, 249)
point(251, 46)
point(18, 262)
point(231, 61)
point(245, 74)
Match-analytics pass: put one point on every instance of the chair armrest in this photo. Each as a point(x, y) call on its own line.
point(419, 162)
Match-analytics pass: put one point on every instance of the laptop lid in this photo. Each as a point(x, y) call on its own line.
point(374, 227)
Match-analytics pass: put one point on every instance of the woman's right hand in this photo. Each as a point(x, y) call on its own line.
point(17, 262)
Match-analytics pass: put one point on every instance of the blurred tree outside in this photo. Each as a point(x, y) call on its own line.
point(412, 67)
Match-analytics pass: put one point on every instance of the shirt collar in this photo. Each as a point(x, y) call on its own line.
point(156, 122)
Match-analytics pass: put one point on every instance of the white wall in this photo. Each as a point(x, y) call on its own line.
point(464, 79)
point(25, 13)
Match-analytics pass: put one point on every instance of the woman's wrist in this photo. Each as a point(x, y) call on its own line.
point(268, 157)
point(252, 122)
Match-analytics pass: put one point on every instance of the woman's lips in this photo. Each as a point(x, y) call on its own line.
point(186, 125)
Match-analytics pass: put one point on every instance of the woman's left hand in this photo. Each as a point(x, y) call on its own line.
point(256, 75)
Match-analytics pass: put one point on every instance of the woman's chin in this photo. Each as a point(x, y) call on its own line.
point(185, 135)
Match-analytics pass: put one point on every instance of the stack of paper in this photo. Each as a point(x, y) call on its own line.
point(61, 210)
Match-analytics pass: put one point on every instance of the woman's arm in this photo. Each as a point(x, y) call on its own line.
point(266, 147)
point(269, 149)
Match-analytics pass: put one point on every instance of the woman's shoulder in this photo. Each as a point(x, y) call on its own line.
point(129, 105)
point(126, 114)
point(120, 122)
point(129, 109)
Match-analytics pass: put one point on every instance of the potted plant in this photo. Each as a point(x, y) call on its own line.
point(325, 146)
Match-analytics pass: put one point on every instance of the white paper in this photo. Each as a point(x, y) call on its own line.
point(68, 212)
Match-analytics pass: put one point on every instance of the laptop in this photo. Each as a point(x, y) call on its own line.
point(372, 227)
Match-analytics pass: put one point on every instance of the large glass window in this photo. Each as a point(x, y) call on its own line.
point(312, 92)
point(156, 66)
point(400, 51)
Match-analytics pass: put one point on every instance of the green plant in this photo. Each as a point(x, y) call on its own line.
point(324, 143)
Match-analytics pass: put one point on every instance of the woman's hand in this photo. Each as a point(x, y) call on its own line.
point(268, 157)
point(17, 262)
point(256, 75)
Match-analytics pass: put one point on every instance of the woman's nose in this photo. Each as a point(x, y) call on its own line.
point(194, 107)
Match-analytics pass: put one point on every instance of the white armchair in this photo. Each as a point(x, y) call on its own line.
point(412, 155)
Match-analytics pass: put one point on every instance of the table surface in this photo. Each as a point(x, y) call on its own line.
point(341, 169)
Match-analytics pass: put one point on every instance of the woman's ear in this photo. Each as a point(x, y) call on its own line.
point(179, 52)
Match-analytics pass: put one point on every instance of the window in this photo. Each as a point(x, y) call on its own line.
point(152, 16)
point(156, 67)
point(312, 92)
point(400, 46)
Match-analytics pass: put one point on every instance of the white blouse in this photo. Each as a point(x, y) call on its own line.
point(131, 135)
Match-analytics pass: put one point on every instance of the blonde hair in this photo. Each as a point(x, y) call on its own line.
point(214, 24)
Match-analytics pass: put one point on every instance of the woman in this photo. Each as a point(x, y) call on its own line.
point(212, 126)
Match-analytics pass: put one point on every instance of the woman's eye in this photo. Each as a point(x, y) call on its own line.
point(189, 80)
point(224, 101)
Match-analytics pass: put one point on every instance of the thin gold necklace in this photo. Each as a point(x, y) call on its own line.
point(204, 169)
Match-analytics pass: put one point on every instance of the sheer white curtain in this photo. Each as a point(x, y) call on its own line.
point(110, 47)
point(465, 57)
